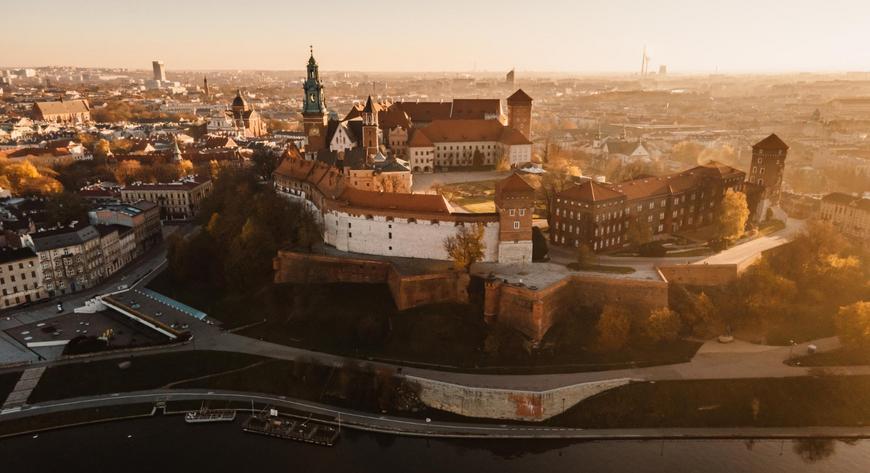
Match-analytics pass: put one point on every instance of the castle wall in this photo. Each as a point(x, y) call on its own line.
point(535, 406)
point(700, 274)
point(404, 237)
point(408, 291)
point(533, 312)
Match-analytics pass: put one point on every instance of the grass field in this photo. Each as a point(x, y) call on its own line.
point(145, 372)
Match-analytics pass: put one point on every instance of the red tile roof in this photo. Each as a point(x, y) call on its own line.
point(474, 109)
point(447, 131)
point(772, 142)
point(590, 191)
point(423, 203)
point(519, 97)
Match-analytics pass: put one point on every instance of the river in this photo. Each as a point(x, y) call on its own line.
point(163, 444)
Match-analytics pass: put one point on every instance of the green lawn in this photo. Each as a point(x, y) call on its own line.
point(774, 402)
point(145, 372)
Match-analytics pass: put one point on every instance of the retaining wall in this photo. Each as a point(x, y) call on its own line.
point(522, 405)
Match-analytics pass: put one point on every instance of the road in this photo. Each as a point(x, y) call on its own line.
point(420, 427)
point(747, 251)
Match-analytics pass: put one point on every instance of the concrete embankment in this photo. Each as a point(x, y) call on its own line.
point(507, 404)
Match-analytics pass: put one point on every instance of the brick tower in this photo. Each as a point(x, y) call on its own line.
point(515, 203)
point(768, 166)
point(520, 112)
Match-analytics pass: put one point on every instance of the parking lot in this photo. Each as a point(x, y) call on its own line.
point(124, 332)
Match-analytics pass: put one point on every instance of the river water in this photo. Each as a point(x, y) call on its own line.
point(164, 444)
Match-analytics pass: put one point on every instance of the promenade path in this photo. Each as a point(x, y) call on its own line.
point(426, 428)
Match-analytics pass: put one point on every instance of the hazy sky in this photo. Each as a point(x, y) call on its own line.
point(442, 35)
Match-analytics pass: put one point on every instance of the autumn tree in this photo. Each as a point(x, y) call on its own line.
point(585, 255)
point(127, 170)
point(853, 324)
point(559, 175)
point(733, 215)
point(662, 325)
point(102, 148)
point(638, 233)
point(614, 328)
point(265, 162)
point(26, 178)
point(466, 247)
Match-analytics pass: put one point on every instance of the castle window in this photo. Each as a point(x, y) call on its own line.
point(516, 225)
point(523, 212)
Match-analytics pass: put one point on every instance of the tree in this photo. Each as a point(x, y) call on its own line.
point(733, 215)
point(265, 162)
point(663, 325)
point(559, 175)
point(26, 178)
point(127, 170)
point(639, 233)
point(466, 247)
point(853, 324)
point(102, 149)
point(584, 255)
point(65, 207)
point(614, 328)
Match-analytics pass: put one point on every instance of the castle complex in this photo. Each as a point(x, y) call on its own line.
point(422, 136)
point(362, 195)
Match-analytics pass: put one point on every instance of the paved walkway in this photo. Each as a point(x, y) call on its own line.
point(749, 250)
point(422, 428)
point(28, 380)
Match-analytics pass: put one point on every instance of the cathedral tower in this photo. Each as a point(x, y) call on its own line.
point(314, 109)
point(370, 129)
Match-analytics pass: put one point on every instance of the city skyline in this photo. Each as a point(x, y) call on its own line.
point(554, 36)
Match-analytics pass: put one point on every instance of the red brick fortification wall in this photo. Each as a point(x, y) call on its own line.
point(533, 312)
point(700, 274)
point(292, 267)
point(414, 291)
point(408, 290)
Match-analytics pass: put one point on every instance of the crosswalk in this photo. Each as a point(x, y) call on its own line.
point(28, 380)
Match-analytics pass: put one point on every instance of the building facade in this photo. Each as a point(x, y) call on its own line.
point(850, 214)
point(601, 215)
point(71, 258)
point(21, 280)
point(447, 144)
point(176, 200)
point(67, 112)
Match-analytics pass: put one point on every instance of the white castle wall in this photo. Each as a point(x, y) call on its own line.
point(399, 237)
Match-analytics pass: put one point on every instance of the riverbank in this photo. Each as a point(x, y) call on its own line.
point(167, 443)
point(94, 409)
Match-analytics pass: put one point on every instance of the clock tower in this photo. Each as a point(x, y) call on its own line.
point(314, 110)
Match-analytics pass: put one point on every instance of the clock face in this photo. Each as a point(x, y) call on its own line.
point(314, 131)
